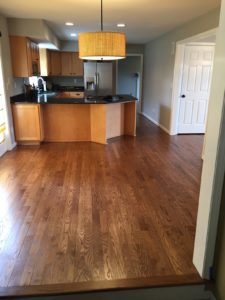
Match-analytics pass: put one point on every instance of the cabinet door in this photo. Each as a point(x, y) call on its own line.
point(27, 122)
point(77, 65)
point(66, 59)
point(55, 63)
point(20, 55)
point(34, 54)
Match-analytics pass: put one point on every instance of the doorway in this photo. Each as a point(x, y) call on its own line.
point(192, 82)
point(129, 77)
point(195, 88)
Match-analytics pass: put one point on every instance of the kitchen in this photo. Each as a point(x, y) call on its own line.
point(42, 112)
point(96, 196)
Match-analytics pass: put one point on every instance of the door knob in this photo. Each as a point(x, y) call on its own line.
point(183, 96)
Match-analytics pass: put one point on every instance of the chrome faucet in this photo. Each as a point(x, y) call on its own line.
point(42, 82)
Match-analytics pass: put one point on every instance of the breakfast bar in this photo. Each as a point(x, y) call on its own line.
point(59, 117)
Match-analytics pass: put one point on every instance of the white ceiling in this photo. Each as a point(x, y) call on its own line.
point(145, 19)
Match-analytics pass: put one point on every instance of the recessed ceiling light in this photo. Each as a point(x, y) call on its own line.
point(69, 23)
point(121, 25)
point(73, 34)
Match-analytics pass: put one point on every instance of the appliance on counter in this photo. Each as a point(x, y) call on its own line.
point(98, 78)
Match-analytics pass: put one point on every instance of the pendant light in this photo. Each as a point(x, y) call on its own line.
point(102, 45)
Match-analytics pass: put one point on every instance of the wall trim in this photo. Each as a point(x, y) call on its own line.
point(155, 122)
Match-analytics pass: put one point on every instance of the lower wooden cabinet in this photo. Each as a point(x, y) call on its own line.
point(28, 124)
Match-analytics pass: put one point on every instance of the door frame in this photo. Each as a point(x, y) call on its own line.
point(3, 146)
point(140, 88)
point(5, 78)
point(214, 161)
point(178, 73)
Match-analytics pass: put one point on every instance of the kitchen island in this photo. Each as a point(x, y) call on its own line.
point(63, 117)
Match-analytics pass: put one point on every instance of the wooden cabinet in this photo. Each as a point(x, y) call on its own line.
point(71, 64)
point(25, 57)
point(34, 51)
point(77, 65)
point(28, 125)
point(66, 59)
point(55, 63)
point(65, 64)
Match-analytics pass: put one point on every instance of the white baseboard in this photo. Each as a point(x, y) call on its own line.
point(155, 122)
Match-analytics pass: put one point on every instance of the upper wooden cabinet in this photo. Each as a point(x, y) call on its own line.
point(66, 59)
point(65, 64)
point(55, 63)
point(26, 60)
point(77, 64)
point(25, 57)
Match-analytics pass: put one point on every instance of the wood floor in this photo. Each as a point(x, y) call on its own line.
point(79, 215)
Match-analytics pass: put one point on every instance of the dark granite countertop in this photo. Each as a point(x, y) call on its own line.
point(55, 98)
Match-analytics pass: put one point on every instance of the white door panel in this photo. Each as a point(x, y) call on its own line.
point(195, 89)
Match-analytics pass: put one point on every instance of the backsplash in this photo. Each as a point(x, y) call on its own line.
point(66, 80)
point(18, 85)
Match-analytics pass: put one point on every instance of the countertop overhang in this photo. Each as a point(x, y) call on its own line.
point(53, 98)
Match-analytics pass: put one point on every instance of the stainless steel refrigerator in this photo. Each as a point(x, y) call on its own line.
point(98, 78)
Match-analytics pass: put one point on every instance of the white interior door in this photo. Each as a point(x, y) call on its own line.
point(195, 88)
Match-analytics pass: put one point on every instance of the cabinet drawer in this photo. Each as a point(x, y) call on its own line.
point(77, 94)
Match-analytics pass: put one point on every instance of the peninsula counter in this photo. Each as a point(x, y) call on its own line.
point(58, 119)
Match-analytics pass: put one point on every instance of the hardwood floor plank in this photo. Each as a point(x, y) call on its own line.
point(84, 216)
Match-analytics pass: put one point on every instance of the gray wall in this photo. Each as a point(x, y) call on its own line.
point(33, 28)
point(220, 253)
point(69, 46)
point(135, 48)
point(159, 59)
point(126, 80)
